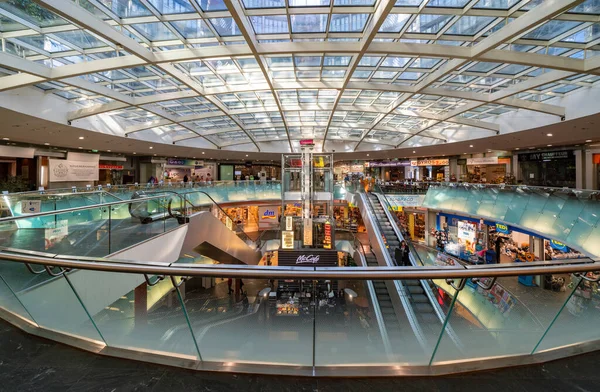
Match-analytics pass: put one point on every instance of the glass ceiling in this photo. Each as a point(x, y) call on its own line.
point(232, 72)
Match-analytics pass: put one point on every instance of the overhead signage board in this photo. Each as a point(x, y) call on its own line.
point(430, 162)
point(307, 142)
point(110, 167)
point(387, 164)
point(287, 239)
point(184, 162)
point(482, 161)
point(406, 200)
point(61, 170)
point(546, 155)
point(307, 258)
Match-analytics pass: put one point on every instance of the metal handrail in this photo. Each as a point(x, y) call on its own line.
point(262, 272)
point(81, 208)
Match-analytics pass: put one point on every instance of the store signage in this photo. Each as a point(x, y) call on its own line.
point(308, 232)
point(61, 170)
point(430, 162)
point(327, 236)
point(388, 164)
point(287, 240)
point(31, 206)
point(502, 228)
point(319, 162)
point(307, 142)
point(546, 155)
point(110, 167)
point(268, 214)
point(406, 200)
point(289, 223)
point(482, 161)
point(184, 162)
point(307, 258)
point(558, 245)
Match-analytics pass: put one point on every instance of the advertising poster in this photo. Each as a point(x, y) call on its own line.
point(287, 239)
point(61, 170)
point(327, 236)
point(54, 235)
point(467, 235)
point(308, 232)
point(31, 206)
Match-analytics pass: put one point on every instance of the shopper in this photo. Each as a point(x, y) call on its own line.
point(185, 179)
point(404, 254)
point(229, 283)
point(241, 286)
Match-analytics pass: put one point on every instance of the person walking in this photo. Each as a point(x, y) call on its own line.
point(229, 283)
point(185, 179)
point(241, 286)
point(404, 254)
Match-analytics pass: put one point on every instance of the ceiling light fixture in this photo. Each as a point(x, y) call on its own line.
point(5, 138)
point(246, 154)
point(588, 141)
point(414, 152)
point(46, 144)
point(470, 145)
point(517, 148)
point(549, 145)
point(81, 138)
point(134, 153)
point(367, 154)
point(151, 147)
point(108, 151)
point(81, 148)
point(549, 134)
point(202, 152)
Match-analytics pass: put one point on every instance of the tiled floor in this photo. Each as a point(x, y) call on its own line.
point(28, 363)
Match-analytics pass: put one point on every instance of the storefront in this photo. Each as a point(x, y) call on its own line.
point(18, 162)
point(110, 173)
point(491, 170)
point(177, 169)
point(252, 218)
point(430, 170)
point(347, 217)
point(248, 171)
point(548, 168)
point(353, 170)
point(389, 171)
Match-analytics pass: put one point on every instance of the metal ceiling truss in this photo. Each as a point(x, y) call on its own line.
point(434, 82)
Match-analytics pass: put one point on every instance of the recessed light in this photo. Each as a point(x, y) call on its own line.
point(517, 148)
point(531, 148)
point(470, 145)
point(414, 152)
point(176, 156)
point(246, 154)
point(151, 147)
point(548, 134)
point(367, 154)
point(464, 153)
point(81, 148)
point(5, 138)
point(202, 152)
point(193, 157)
point(134, 153)
point(81, 138)
point(154, 154)
point(46, 144)
point(588, 141)
point(549, 145)
point(107, 150)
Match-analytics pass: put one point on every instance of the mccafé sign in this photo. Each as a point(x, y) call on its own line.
point(430, 162)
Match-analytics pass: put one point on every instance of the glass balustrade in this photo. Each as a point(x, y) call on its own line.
point(303, 323)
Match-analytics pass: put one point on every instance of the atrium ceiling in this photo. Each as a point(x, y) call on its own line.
point(259, 75)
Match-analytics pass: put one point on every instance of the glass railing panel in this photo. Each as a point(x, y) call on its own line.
point(133, 315)
point(592, 244)
point(584, 224)
point(9, 301)
point(579, 319)
point(508, 319)
point(485, 205)
point(549, 215)
point(78, 233)
point(272, 323)
point(137, 221)
point(53, 304)
point(535, 205)
point(517, 205)
point(503, 199)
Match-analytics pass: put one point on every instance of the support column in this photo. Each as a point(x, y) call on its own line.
point(579, 169)
point(516, 170)
point(140, 305)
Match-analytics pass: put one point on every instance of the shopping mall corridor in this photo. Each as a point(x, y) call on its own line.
point(29, 363)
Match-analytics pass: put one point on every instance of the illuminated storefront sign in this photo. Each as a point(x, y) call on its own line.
point(268, 214)
point(327, 237)
point(430, 162)
point(184, 162)
point(558, 245)
point(502, 228)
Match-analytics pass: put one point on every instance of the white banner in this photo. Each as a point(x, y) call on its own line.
point(406, 200)
point(482, 161)
point(67, 171)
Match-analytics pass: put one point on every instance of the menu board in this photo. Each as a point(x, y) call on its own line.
point(287, 239)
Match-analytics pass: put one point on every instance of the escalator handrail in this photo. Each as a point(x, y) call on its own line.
point(424, 284)
point(408, 310)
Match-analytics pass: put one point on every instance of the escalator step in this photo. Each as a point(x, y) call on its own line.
point(420, 298)
point(429, 318)
point(415, 289)
point(423, 308)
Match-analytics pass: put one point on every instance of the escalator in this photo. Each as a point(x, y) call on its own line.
point(425, 306)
